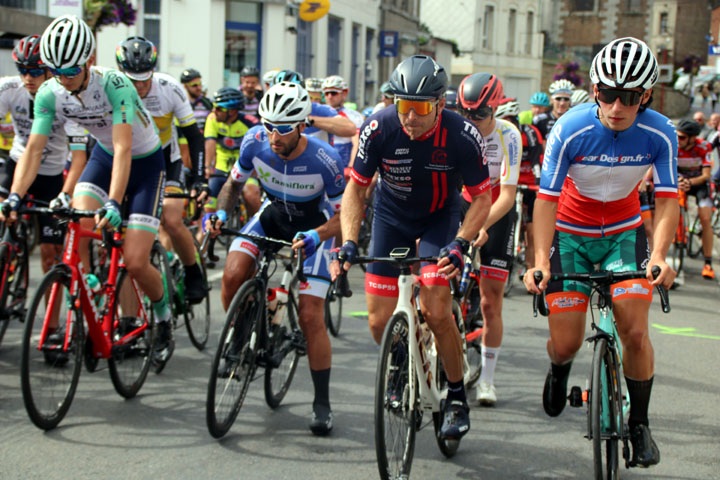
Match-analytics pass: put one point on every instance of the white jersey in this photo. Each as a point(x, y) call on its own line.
point(109, 99)
point(16, 100)
point(344, 144)
point(503, 151)
point(166, 100)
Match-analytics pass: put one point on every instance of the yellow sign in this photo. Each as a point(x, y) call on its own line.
point(311, 10)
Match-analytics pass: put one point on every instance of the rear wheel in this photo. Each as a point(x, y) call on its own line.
point(448, 446)
point(396, 412)
point(695, 238)
point(605, 419)
point(282, 353)
point(197, 317)
point(234, 364)
point(49, 372)
point(333, 310)
point(131, 348)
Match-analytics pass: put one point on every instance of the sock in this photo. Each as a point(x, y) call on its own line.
point(489, 360)
point(321, 382)
point(560, 371)
point(708, 261)
point(456, 391)
point(161, 309)
point(639, 392)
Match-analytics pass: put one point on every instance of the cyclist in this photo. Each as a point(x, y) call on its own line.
point(224, 132)
point(17, 95)
point(201, 105)
point(560, 91)
point(126, 164)
point(539, 103)
point(578, 97)
point(335, 91)
point(451, 101)
point(479, 96)
point(315, 90)
point(529, 169)
point(268, 77)
point(387, 97)
point(694, 165)
point(421, 152)
point(165, 99)
point(303, 180)
point(250, 87)
point(588, 213)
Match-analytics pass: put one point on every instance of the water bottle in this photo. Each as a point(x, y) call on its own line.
point(281, 297)
point(94, 285)
point(465, 278)
point(272, 302)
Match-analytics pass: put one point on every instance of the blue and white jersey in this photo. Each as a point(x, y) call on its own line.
point(301, 188)
point(593, 171)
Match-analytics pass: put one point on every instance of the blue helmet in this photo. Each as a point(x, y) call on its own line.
point(288, 76)
point(230, 98)
point(540, 99)
point(367, 111)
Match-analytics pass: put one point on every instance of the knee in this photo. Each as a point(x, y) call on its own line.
point(135, 264)
point(491, 306)
point(172, 222)
point(377, 327)
point(635, 339)
point(311, 324)
point(47, 256)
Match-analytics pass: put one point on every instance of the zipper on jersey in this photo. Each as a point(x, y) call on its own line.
point(608, 178)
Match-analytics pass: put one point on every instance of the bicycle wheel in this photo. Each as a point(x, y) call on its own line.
point(518, 235)
point(447, 446)
point(130, 359)
point(282, 354)
point(605, 419)
point(234, 364)
point(49, 373)
point(197, 317)
point(19, 282)
point(695, 238)
point(396, 413)
point(4, 289)
point(333, 311)
point(159, 259)
point(471, 347)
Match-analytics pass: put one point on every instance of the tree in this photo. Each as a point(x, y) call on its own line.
point(98, 13)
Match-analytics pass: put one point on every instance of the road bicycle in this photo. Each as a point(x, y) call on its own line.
point(679, 245)
point(519, 238)
point(119, 320)
point(607, 404)
point(255, 337)
point(694, 247)
point(410, 378)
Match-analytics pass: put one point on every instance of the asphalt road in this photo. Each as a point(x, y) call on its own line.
point(162, 434)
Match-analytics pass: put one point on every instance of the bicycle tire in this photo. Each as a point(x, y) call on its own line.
point(20, 283)
point(518, 239)
point(333, 311)
point(447, 446)
point(244, 312)
point(471, 348)
point(694, 246)
point(159, 259)
point(605, 419)
point(395, 420)
point(197, 317)
point(281, 346)
point(32, 232)
point(4, 289)
point(47, 402)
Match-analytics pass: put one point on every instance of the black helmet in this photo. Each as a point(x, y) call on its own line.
point(188, 75)
point(250, 71)
point(231, 98)
point(288, 76)
point(136, 57)
point(27, 52)
point(691, 128)
point(451, 100)
point(419, 77)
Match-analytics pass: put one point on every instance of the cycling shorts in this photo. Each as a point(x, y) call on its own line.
point(144, 192)
point(216, 181)
point(702, 194)
point(624, 251)
point(267, 222)
point(45, 188)
point(434, 231)
point(496, 255)
point(528, 201)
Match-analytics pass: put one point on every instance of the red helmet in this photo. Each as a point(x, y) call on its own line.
point(27, 52)
point(480, 91)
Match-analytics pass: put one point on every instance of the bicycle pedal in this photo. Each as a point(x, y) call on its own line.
point(576, 397)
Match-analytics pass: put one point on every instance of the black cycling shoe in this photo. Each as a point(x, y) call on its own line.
point(164, 346)
point(55, 356)
point(195, 288)
point(322, 420)
point(555, 392)
point(456, 419)
point(645, 450)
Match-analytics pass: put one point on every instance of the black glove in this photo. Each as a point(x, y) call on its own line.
point(11, 204)
point(348, 252)
point(200, 185)
point(454, 251)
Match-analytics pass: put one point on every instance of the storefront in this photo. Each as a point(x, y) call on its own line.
point(243, 34)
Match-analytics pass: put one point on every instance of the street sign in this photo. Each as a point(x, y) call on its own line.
point(713, 49)
point(388, 44)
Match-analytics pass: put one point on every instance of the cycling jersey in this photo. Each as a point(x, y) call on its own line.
point(228, 138)
point(544, 122)
point(320, 110)
point(202, 106)
point(17, 101)
point(166, 100)
point(419, 177)
point(251, 104)
point(691, 162)
point(109, 99)
point(343, 145)
point(297, 188)
point(531, 154)
point(599, 196)
point(6, 132)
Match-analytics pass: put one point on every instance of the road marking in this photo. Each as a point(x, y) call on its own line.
point(358, 314)
point(215, 276)
point(683, 332)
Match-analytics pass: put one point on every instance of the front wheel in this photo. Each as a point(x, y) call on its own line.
point(333, 310)
point(51, 351)
point(395, 408)
point(132, 337)
point(197, 317)
point(605, 418)
point(695, 238)
point(4, 289)
point(234, 364)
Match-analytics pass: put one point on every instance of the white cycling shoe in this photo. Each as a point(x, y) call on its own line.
point(485, 394)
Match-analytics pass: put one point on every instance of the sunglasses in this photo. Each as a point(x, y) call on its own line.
point(682, 137)
point(562, 99)
point(330, 93)
point(479, 114)
point(195, 84)
point(627, 97)
point(282, 129)
point(33, 72)
point(69, 72)
point(421, 107)
point(220, 109)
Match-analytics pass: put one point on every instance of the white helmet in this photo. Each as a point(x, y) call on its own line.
point(559, 87)
point(285, 102)
point(334, 82)
point(625, 63)
point(508, 108)
point(67, 42)
point(578, 97)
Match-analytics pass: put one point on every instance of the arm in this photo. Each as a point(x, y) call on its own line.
point(703, 178)
point(210, 155)
point(667, 214)
point(337, 125)
point(77, 165)
point(351, 212)
point(195, 143)
point(354, 150)
point(28, 164)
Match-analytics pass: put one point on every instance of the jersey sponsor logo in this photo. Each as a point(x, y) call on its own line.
point(400, 161)
point(117, 82)
point(604, 158)
point(365, 135)
point(250, 247)
point(567, 302)
point(302, 168)
point(339, 180)
point(382, 286)
point(21, 110)
point(396, 170)
point(636, 289)
point(472, 130)
point(496, 262)
point(328, 161)
point(402, 151)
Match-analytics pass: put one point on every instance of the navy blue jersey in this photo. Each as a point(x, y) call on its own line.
point(420, 177)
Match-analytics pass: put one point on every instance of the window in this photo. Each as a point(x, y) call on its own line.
point(582, 5)
point(243, 31)
point(333, 55)
point(663, 23)
point(529, 31)
point(303, 55)
point(20, 4)
point(151, 21)
point(633, 5)
point(488, 26)
point(512, 20)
